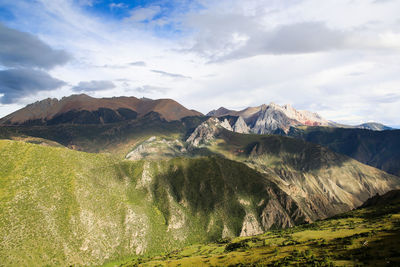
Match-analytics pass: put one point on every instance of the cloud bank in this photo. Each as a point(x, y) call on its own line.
point(21, 49)
point(17, 83)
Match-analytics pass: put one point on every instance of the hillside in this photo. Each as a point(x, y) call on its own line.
point(322, 182)
point(367, 236)
point(83, 109)
point(380, 149)
point(116, 138)
point(63, 207)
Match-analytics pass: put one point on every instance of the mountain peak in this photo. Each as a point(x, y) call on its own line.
point(84, 109)
point(219, 112)
point(273, 118)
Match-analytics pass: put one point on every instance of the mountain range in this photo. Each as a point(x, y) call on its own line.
point(172, 177)
point(276, 119)
point(83, 109)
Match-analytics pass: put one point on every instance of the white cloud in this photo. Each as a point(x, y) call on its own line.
point(340, 58)
point(144, 13)
point(92, 86)
point(117, 5)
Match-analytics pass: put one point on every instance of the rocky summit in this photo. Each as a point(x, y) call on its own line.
point(273, 118)
point(276, 119)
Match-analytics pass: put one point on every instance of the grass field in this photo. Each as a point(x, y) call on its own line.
point(363, 237)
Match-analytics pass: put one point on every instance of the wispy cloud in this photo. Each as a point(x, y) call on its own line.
point(91, 86)
point(117, 5)
point(141, 14)
point(138, 63)
point(172, 75)
point(148, 89)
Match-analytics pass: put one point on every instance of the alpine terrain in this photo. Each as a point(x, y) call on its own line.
point(170, 178)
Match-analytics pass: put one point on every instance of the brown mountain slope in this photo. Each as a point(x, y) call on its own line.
point(83, 109)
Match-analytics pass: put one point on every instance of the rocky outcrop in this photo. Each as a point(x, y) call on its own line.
point(205, 132)
point(272, 118)
point(157, 148)
point(240, 126)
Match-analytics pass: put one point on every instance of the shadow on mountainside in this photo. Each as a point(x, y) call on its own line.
point(297, 154)
point(104, 137)
point(220, 192)
point(380, 149)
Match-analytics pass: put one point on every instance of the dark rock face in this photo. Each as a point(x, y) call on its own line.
point(100, 116)
point(391, 197)
point(380, 149)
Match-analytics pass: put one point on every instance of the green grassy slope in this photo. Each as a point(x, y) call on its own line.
point(62, 207)
point(363, 237)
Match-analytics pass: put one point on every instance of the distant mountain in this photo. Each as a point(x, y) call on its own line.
point(276, 119)
point(374, 126)
point(273, 118)
point(221, 112)
point(83, 109)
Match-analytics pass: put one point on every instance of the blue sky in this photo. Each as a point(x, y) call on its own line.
point(340, 58)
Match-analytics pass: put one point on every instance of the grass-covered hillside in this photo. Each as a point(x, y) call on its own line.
point(64, 207)
point(363, 237)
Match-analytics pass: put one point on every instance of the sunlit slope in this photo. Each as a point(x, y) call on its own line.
point(363, 237)
point(322, 182)
point(63, 207)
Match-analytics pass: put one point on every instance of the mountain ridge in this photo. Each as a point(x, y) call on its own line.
point(277, 119)
point(85, 110)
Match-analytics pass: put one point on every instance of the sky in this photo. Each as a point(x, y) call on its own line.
point(339, 58)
